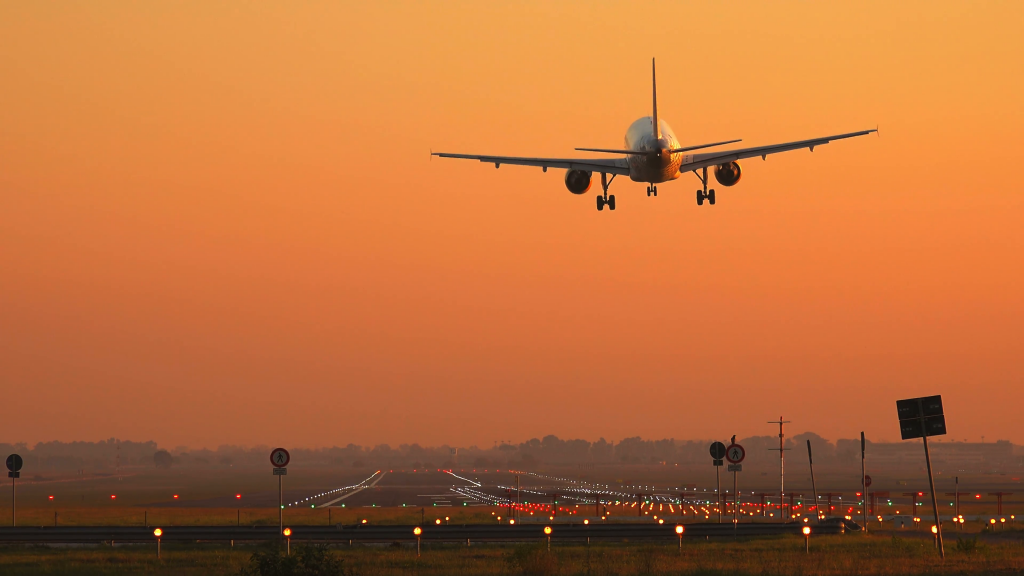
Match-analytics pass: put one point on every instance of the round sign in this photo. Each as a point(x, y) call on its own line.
point(14, 462)
point(280, 457)
point(867, 480)
point(735, 453)
point(718, 450)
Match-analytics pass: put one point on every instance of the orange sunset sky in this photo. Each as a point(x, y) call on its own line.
point(219, 222)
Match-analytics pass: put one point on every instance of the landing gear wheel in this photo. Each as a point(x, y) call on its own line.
point(654, 190)
point(700, 198)
point(711, 197)
point(600, 202)
point(611, 202)
point(648, 191)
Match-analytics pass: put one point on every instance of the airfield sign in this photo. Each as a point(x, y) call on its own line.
point(280, 457)
point(735, 453)
point(14, 463)
point(717, 453)
point(867, 481)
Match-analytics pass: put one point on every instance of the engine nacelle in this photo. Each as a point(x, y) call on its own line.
point(577, 181)
point(728, 174)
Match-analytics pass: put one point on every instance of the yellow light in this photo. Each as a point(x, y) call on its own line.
point(438, 521)
point(364, 520)
point(992, 521)
point(935, 530)
point(806, 530)
point(511, 520)
point(547, 530)
point(661, 520)
point(417, 531)
point(287, 532)
point(158, 532)
point(586, 521)
point(679, 529)
point(1002, 519)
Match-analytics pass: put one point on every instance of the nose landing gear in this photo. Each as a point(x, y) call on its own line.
point(605, 199)
point(704, 194)
point(652, 190)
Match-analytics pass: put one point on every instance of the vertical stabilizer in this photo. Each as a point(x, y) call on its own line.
point(654, 92)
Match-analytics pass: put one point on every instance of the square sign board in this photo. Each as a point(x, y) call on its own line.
point(913, 411)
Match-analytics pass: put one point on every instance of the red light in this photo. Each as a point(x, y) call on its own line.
point(51, 497)
point(175, 495)
point(238, 496)
point(977, 495)
point(113, 496)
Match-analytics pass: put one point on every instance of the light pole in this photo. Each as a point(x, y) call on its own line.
point(288, 541)
point(417, 531)
point(807, 539)
point(158, 533)
point(679, 532)
point(547, 532)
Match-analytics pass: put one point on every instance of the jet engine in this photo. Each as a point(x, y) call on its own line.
point(577, 181)
point(728, 174)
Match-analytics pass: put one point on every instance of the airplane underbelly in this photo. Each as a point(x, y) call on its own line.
point(653, 171)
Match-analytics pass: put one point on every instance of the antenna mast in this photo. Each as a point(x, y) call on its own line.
point(782, 466)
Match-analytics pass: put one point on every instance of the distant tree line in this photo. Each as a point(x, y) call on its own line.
point(102, 456)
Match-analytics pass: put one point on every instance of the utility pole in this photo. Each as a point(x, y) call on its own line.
point(782, 465)
point(864, 484)
point(810, 462)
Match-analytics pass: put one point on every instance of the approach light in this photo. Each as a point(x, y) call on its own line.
point(680, 529)
point(935, 530)
point(158, 532)
point(806, 530)
point(417, 531)
point(287, 532)
point(547, 530)
point(438, 521)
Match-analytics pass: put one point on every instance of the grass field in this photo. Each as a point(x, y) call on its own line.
point(830, 555)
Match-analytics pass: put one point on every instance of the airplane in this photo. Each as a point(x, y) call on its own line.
point(652, 154)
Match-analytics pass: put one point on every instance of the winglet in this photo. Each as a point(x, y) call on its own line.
point(654, 93)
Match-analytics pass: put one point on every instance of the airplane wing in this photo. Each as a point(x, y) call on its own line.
point(609, 166)
point(697, 161)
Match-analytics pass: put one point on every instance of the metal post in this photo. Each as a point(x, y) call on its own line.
point(931, 483)
point(718, 478)
point(864, 484)
point(157, 548)
point(735, 503)
point(280, 504)
point(956, 509)
point(518, 501)
point(810, 462)
point(14, 502)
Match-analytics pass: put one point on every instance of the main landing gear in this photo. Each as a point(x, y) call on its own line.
point(704, 194)
point(652, 190)
point(605, 199)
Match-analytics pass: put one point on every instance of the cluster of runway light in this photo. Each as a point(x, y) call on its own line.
point(474, 482)
point(334, 491)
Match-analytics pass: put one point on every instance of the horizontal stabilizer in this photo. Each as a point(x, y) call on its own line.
point(688, 148)
point(646, 152)
point(607, 151)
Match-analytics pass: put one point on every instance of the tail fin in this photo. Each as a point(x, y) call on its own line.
point(654, 92)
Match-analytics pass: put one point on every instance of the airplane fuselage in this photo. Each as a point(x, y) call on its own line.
point(660, 165)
